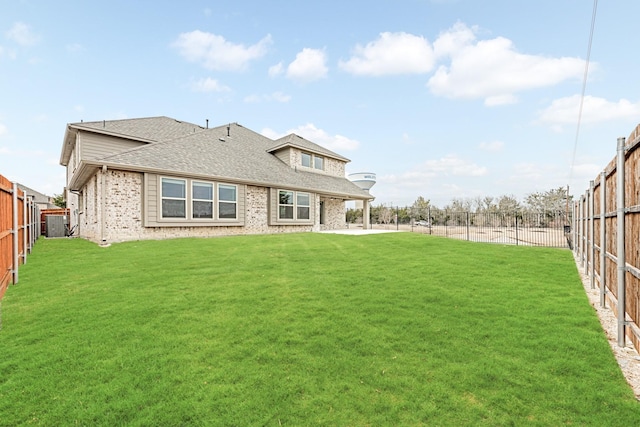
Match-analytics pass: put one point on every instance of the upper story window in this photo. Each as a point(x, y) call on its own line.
point(306, 160)
point(312, 161)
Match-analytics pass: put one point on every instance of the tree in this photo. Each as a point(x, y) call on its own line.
point(553, 200)
point(354, 216)
point(58, 200)
point(385, 214)
point(420, 209)
point(508, 204)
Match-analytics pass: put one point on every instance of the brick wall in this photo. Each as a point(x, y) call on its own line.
point(124, 221)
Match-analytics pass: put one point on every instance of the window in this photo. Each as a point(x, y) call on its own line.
point(306, 160)
point(174, 201)
point(202, 195)
point(201, 203)
point(293, 205)
point(227, 201)
point(285, 204)
point(312, 161)
point(303, 205)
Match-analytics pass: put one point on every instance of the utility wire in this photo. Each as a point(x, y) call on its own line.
point(584, 88)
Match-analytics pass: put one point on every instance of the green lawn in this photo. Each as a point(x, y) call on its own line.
point(305, 329)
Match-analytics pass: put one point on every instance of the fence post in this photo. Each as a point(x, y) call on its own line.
point(517, 240)
point(603, 237)
point(24, 227)
point(582, 228)
point(468, 236)
point(592, 246)
point(620, 252)
point(15, 233)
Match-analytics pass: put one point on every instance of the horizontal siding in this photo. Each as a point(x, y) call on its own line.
point(94, 146)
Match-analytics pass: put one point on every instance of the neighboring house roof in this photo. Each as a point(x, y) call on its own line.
point(148, 129)
point(293, 140)
point(232, 153)
point(39, 198)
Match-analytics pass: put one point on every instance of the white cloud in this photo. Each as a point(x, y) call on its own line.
point(453, 165)
point(276, 70)
point(275, 96)
point(564, 111)
point(209, 85)
point(74, 48)
point(493, 69)
point(493, 146)
point(391, 53)
point(3, 129)
point(310, 132)
point(309, 65)
point(216, 53)
point(22, 34)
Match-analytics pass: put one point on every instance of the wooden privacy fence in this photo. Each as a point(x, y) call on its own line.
point(19, 229)
point(607, 235)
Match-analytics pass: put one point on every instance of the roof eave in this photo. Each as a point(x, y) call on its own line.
point(321, 153)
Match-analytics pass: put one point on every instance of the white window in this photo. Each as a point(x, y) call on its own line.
point(312, 161)
point(303, 206)
point(174, 198)
point(202, 199)
point(200, 202)
point(227, 201)
point(306, 160)
point(285, 204)
point(294, 205)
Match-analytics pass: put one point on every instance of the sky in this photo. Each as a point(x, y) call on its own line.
point(441, 99)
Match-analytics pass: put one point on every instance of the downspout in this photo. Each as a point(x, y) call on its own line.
point(620, 252)
point(103, 205)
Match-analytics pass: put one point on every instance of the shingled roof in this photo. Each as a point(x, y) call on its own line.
point(293, 140)
point(147, 129)
point(232, 153)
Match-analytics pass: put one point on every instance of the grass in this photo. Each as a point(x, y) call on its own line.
point(305, 329)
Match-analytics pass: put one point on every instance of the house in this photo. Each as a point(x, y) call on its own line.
point(157, 177)
point(42, 201)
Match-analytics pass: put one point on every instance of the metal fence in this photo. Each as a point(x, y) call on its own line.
point(548, 229)
point(19, 229)
point(607, 230)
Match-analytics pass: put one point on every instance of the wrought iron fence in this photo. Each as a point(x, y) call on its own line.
point(550, 229)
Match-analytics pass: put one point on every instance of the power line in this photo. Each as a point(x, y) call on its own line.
point(584, 88)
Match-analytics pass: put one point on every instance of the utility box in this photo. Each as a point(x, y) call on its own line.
point(55, 225)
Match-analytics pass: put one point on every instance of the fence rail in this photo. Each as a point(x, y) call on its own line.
point(516, 228)
point(606, 231)
point(19, 229)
